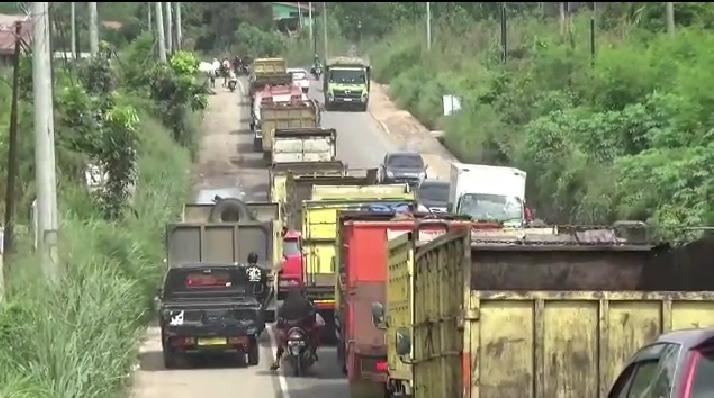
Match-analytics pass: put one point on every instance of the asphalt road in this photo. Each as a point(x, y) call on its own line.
point(226, 161)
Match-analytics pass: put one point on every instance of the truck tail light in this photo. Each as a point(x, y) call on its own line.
point(183, 341)
point(381, 366)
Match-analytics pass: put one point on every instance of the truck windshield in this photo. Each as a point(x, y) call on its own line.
point(434, 192)
point(346, 76)
point(290, 247)
point(481, 206)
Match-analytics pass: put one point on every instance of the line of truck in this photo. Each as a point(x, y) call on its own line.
point(480, 301)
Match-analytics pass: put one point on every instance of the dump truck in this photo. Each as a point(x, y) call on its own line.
point(319, 233)
point(270, 94)
point(289, 115)
point(268, 71)
point(304, 145)
point(291, 184)
point(362, 280)
point(537, 319)
point(347, 83)
point(225, 233)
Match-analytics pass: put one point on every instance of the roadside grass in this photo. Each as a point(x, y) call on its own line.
point(633, 116)
point(79, 337)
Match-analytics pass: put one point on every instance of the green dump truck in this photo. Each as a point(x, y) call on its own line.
point(538, 319)
point(347, 83)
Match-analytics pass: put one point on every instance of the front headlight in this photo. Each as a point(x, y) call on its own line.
point(422, 175)
point(331, 96)
point(390, 174)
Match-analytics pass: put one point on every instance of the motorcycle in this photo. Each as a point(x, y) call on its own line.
point(232, 82)
point(299, 353)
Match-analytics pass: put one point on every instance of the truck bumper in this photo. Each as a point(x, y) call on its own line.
point(362, 388)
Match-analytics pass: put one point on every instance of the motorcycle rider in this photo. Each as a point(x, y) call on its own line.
point(297, 310)
point(257, 278)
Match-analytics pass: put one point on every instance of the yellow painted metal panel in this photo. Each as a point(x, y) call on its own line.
point(372, 192)
point(400, 265)
point(577, 341)
point(506, 365)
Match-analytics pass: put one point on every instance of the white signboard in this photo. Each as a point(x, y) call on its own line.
point(452, 104)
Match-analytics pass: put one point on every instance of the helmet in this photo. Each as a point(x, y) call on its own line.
point(252, 258)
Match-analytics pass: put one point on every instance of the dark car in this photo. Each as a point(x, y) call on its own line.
point(206, 309)
point(679, 364)
point(403, 167)
point(433, 196)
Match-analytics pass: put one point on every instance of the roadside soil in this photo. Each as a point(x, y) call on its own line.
point(410, 135)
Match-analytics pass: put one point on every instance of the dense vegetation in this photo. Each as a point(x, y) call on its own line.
point(628, 136)
point(78, 337)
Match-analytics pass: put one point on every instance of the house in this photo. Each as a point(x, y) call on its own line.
point(286, 14)
point(7, 35)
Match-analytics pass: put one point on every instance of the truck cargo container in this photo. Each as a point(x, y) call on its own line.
point(362, 276)
point(319, 233)
point(268, 71)
point(292, 187)
point(304, 145)
point(270, 94)
point(289, 115)
point(548, 319)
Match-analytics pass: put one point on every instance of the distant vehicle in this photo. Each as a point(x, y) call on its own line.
point(678, 364)
point(207, 308)
point(433, 196)
point(347, 83)
point(300, 78)
point(403, 167)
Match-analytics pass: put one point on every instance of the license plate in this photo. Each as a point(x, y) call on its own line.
point(212, 341)
point(348, 99)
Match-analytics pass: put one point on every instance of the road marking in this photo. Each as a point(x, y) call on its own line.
point(281, 375)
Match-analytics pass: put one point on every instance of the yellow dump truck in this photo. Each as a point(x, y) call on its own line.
point(291, 184)
point(542, 320)
point(268, 71)
point(319, 232)
point(286, 115)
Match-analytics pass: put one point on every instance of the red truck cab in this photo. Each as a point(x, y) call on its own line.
point(362, 280)
point(291, 274)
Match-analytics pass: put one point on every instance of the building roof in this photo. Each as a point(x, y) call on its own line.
point(7, 31)
point(303, 5)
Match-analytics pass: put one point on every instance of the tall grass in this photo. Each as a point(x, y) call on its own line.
point(78, 337)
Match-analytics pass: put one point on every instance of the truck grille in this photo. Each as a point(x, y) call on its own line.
point(354, 94)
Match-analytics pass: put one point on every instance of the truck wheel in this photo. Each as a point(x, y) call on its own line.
point(253, 352)
point(364, 107)
point(257, 144)
point(170, 360)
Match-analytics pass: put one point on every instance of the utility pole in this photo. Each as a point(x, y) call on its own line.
point(148, 16)
point(504, 33)
point(93, 28)
point(324, 12)
point(592, 33)
point(670, 18)
point(309, 6)
point(179, 30)
point(74, 33)
point(12, 152)
point(169, 29)
point(299, 16)
point(44, 141)
point(159, 17)
point(428, 26)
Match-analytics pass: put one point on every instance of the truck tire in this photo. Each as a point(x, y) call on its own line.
point(170, 360)
point(229, 209)
point(253, 352)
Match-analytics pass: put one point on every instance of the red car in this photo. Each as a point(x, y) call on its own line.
point(292, 270)
point(679, 364)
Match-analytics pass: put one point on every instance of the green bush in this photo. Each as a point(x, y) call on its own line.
point(78, 337)
point(640, 115)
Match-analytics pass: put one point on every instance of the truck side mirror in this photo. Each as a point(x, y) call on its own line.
point(403, 342)
point(377, 314)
